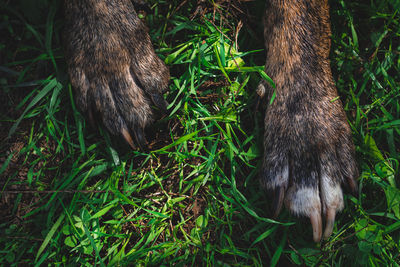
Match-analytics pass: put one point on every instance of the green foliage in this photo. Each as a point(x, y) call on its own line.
point(73, 195)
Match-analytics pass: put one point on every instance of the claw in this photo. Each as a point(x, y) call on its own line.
point(140, 138)
point(279, 194)
point(316, 223)
point(330, 222)
point(128, 138)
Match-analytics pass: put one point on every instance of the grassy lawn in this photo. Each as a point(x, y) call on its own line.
point(73, 195)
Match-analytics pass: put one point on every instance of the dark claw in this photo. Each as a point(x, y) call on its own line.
point(330, 222)
point(279, 194)
point(140, 138)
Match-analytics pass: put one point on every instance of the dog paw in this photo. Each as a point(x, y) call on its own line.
point(308, 156)
point(113, 67)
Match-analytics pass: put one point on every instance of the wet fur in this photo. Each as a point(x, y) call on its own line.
point(308, 150)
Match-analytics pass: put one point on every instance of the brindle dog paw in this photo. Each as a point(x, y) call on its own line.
point(308, 148)
point(308, 156)
point(113, 67)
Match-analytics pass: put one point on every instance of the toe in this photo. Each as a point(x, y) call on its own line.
point(81, 85)
point(154, 88)
point(132, 104)
point(131, 100)
point(105, 106)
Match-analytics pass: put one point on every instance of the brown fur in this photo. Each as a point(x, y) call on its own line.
point(113, 66)
point(308, 153)
point(308, 147)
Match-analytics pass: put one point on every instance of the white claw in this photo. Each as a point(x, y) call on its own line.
point(316, 222)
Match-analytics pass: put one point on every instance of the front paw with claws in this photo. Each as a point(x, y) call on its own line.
point(308, 156)
point(308, 148)
point(113, 67)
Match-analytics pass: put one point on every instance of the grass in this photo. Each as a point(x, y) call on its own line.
point(73, 195)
